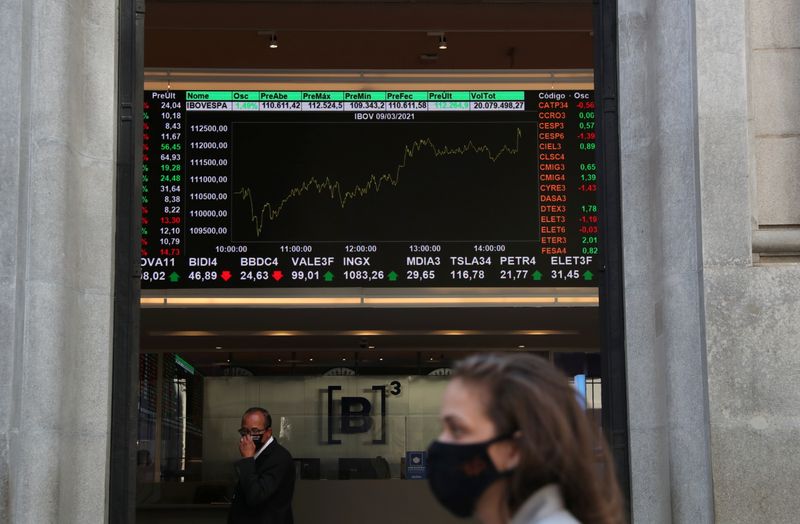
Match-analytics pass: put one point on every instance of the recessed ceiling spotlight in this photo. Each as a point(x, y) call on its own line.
point(311, 360)
point(218, 347)
point(442, 42)
point(273, 41)
point(520, 347)
point(381, 359)
point(370, 347)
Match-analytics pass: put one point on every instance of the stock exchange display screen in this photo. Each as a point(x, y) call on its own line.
point(270, 189)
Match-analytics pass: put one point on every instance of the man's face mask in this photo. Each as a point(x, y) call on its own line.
point(258, 439)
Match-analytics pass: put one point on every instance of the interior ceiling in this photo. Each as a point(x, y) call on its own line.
point(353, 329)
point(331, 35)
point(368, 35)
point(298, 340)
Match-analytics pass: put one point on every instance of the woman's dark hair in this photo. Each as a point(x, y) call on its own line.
point(558, 444)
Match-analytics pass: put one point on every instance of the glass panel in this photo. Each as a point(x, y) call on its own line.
point(354, 393)
point(363, 423)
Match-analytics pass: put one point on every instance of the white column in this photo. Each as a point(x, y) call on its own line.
point(57, 150)
point(664, 317)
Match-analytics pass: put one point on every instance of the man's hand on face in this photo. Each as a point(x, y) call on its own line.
point(246, 447)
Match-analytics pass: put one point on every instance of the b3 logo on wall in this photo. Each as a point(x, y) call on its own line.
point(356, 415)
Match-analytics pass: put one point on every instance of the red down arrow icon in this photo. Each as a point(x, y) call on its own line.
point(226, 275)
point(277, 274)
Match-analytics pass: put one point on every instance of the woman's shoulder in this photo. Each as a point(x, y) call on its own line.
point(545, 506)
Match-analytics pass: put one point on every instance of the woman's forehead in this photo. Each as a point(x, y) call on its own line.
point(465, 397)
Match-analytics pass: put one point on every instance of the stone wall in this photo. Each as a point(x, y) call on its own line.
point(665, 340)
point(749, 101)
point(710, 139)
point(57, 150)
point(774, 80)
point(710, 143)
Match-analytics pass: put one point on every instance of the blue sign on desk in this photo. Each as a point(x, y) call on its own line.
point(416, 463)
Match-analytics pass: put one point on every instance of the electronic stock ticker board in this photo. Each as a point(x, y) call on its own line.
point(271, 189)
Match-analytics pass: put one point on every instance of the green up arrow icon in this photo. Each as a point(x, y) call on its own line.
point(588, 275)
point(537, 275)
point(174, 277)
point(392, 276)
point(328, 277)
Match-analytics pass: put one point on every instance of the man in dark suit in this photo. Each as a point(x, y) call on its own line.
point(263, 493)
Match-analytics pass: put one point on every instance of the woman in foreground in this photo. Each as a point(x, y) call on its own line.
point(517, 448)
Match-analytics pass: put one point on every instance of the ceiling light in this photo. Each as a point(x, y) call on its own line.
point(578, 300)
point(442, 42)
point(505, 300)
point(273, 41)
point(586, 297)
point(249, 301)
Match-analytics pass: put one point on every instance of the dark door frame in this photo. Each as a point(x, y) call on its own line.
point(127, 273)
point(612, 310)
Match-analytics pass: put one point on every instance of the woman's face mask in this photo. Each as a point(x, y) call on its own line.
point(458, 474)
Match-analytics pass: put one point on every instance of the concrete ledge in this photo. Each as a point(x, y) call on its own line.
point(784, 241)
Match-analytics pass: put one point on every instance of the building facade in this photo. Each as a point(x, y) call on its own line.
point(709, 146)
